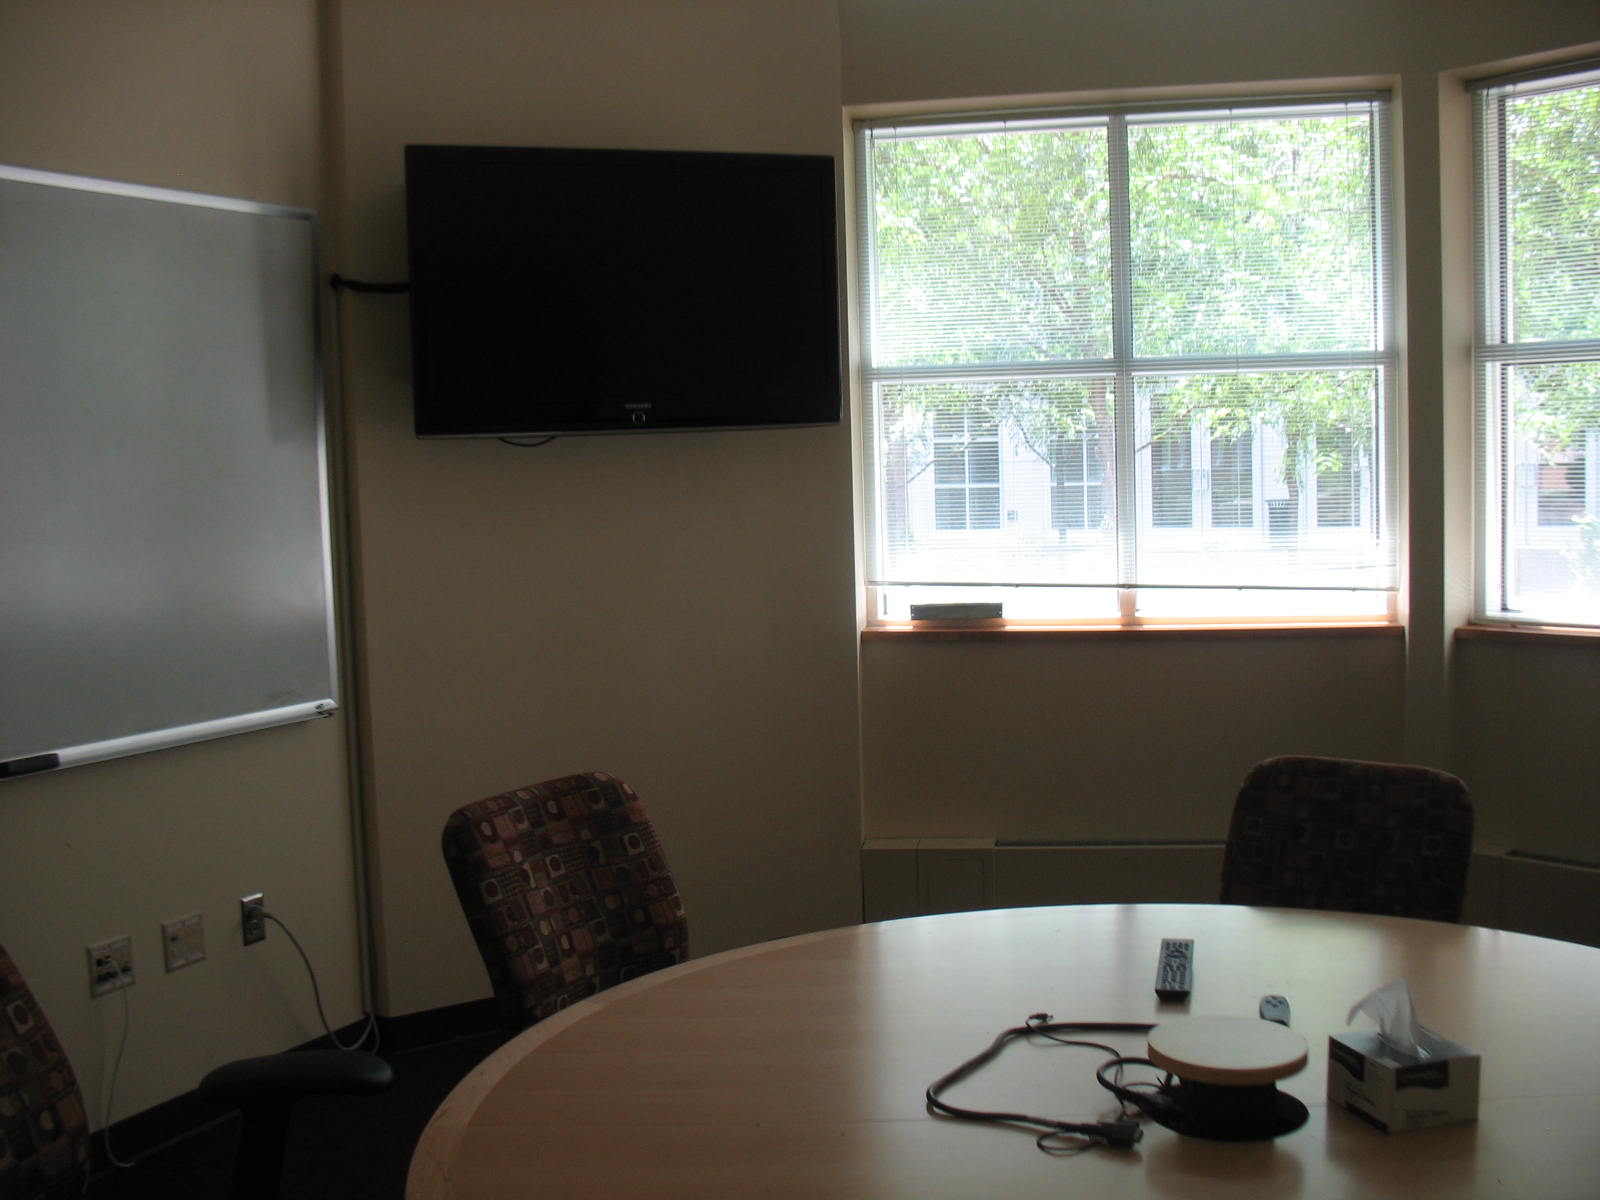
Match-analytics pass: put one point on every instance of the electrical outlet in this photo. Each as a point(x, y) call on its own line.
point(251, 923)
point(183, 941)
point(110, 965)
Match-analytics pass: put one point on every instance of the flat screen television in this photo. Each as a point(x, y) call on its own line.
point(566, 291)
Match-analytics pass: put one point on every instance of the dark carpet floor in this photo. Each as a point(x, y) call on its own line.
point(344, 1147)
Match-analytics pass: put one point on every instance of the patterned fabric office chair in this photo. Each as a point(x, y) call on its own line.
point(44, 1131)
point(1335, 833)
point(567, 892)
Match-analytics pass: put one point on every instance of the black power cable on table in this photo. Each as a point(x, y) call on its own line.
point(1121, 1135)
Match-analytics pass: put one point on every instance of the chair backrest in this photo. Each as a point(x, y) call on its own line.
point(44, 1131)
point(566, 890)
point(1354, 836)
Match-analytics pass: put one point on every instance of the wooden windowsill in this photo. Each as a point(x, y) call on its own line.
point(1564, 635)
point(1018, 634)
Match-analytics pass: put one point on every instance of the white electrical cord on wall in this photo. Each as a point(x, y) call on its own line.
point(371, 1027)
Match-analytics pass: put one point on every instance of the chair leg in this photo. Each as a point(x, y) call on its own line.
point(259, 1162)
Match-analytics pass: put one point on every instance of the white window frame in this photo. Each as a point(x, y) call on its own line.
point(1507, 510)
point(1376, 474)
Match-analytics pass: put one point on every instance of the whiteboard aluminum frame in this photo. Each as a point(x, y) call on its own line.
point(53, 757)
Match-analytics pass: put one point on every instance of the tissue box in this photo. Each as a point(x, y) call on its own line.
point(1399, 1092)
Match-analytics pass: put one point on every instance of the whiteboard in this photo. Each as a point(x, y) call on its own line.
point(165, 563)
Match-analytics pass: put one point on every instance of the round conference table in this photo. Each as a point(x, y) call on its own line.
point(797, 1068)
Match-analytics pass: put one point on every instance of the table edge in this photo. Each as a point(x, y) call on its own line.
point(428, 1177)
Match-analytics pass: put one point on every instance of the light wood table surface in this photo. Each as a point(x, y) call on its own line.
point(796, 1069)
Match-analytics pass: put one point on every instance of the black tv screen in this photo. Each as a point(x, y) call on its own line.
point(562, 291)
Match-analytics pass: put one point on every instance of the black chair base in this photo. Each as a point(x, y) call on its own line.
point(266, 1088)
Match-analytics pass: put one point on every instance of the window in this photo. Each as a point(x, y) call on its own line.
point(1538, 347)
point(1338, 477)
point(966, 471)
point(1129, 364)
point(1077, 483)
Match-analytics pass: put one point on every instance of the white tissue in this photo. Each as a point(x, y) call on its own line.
point(1390, 1006)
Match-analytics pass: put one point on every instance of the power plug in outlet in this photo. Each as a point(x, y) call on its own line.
point(252, 921)
point(110, 965)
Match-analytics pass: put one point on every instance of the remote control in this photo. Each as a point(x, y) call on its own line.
point(1175, 969)
point(1275, 1008)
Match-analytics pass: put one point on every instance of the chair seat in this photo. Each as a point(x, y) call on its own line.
point(280, 1077)
point(266, 1088)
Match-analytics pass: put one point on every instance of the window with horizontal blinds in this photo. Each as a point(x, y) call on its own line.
point(1538, 346)
point(1155, 341)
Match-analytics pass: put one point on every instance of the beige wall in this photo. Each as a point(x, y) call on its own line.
point(679, 609)
point(222, 99)
point(1526, 743)
point(1089, 741)
point(909, 50)
point(676, 609)
point(1105, 741)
